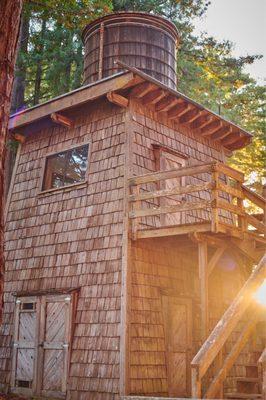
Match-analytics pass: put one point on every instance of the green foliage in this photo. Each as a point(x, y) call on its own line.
point(55, 48)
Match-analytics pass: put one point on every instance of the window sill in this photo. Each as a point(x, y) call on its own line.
point(67, 188)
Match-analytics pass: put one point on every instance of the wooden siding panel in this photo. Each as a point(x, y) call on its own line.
point(72, 238)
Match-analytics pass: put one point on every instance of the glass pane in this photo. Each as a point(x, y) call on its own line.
point(77, 165)
point(66, 168)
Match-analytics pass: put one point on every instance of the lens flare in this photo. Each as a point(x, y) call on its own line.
point(260, 295)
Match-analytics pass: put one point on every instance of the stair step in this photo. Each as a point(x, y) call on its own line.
point(247, 379)
point(239, 395)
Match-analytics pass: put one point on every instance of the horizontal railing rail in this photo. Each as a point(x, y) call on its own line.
point(218, 337)
point(218, 190)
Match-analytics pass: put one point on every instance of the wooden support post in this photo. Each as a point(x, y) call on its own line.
point(215, 199)
point(203, 275)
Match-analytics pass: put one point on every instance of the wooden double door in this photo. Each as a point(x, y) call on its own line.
point(178, 337)
point(41, 345)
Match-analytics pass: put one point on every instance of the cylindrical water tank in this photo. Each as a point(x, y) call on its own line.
point(145, 41)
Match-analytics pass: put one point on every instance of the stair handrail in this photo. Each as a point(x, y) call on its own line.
point(254, 197)
point(216, 340)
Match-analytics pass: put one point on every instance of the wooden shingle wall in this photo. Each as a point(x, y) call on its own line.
point(69, 239)
point(155, 272)
point(152, 129)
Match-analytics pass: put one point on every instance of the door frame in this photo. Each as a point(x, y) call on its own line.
point(188, 302)
point(40, 300)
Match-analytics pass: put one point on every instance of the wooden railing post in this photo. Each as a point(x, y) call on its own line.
point(220, 364)
point(214, 200)
point(204, 301)
point(195, 383)
point(262, 371)
point(241, 218)
point(136, 207)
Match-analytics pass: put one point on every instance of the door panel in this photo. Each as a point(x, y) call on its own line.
point(177, 317)
point(23, 376)
point(41, 345)
point(53, 370)
point(170, 161)
point(56, 337)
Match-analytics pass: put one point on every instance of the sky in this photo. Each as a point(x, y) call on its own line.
point(244, 23)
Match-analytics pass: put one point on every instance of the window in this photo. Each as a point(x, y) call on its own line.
point(66, 168)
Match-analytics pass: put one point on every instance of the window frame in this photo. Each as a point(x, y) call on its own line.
point(71, 185)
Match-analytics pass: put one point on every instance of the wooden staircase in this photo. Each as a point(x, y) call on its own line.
point(249, 386)
point(213, 351)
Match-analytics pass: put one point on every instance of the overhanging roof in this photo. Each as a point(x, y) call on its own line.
point(169, 103)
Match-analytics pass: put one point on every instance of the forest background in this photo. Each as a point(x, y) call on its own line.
point(50, 63)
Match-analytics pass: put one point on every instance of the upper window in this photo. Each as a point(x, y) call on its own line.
point(66, 168)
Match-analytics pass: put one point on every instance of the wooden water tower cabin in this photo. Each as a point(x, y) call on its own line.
point(133, 251)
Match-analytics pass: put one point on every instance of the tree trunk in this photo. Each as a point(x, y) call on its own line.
point(18, 92)
point(10, 12)
point(38, 77)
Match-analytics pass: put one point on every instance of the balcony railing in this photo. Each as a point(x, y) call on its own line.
point(203, 197)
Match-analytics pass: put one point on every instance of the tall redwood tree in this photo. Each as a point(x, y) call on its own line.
point(10, 13)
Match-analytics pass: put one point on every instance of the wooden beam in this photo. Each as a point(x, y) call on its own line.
point(205, 122)
point(62, 120)
point(215, 258)
point(173, 231)
point(231, 172)
point(177, 112)
point(167, 103)
point(117, 99)
point(168, 192)
point(142, 89)
point(203, 276)
point(173, 173)
point(211, 240)
point(19, 138)
point(184, 206)
point(254, 197)
point(197, 116)
point(230, 190)
point(212, 129)
point(153, 97)
point(222, 133)
point(189, 117)
point(255, 223)
point(231, 139)
point(242, 141)
point(201, 118)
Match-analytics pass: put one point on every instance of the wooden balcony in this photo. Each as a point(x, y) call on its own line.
point(208, 197)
